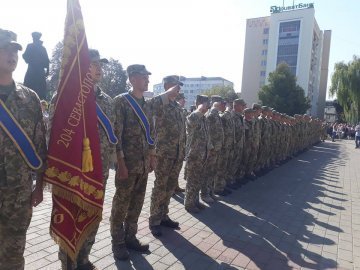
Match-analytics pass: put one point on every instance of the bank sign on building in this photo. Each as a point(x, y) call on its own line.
point(291, 35)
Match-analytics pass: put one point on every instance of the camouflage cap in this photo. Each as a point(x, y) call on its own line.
point(137, 69)
point(180, 96)
point(239, 101)
point(216, 98)
point(36, 35)
point(201, 99)
point(95, 56)
point(266, 108)
point(173, 79)
point(248, 110)
point(8, 38)
point(256, 106)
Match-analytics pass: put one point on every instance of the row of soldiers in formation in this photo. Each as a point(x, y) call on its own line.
point(234, 142)
point(239, 144)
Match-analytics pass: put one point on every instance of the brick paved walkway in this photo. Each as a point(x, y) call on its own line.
point(303, 215)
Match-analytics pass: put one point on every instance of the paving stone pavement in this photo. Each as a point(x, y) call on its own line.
point(302, 215)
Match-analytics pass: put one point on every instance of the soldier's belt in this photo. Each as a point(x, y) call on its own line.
point(19, 137)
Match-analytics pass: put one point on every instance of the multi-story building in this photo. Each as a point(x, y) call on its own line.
point(195, 86)
point(291, 35)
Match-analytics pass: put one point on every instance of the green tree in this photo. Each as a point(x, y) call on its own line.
point(227, 92)
point(113, 81)
point(114, 78)
point(283, 94)
point(345, 84)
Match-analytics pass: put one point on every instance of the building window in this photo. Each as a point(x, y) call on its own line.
point(288, 44)
point(263, 63)
point(262, 73)
point(191, 91)
point(265, 41)
point(266, 31)
point(186, 91)
point(264, 52)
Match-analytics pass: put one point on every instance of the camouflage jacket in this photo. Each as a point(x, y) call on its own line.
point(197, 137)
point(229, 129)
point(132, 145)
point(170, 132)
point(239, 130)
point(215, 129)
point(256, 132)
point(107, 149)
point(24, 104)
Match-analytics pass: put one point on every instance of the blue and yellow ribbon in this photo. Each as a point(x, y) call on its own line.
point(19, 137)
point(142, 117)
point(106, 124)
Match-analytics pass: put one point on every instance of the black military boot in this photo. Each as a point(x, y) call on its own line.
point(136, 245)
point(155, 230)
point(86, 266)
point(169, 223)
point(120, 252)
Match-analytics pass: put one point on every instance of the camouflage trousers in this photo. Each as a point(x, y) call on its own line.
point(195, 167)
point(126, 206)
point(236, 162)
point(210, 174)
point(15, 217)
point(167, 174)
point(229, 176)
point(262, 154)
point(252, 158)
point(220, 181)
point(83, 256)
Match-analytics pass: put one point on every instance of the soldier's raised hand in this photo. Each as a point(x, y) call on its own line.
point(173, 92)
point(202, 108)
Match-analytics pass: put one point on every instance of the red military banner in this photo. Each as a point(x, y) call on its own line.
point(74, 161)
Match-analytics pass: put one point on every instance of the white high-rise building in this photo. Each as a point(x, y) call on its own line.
point(292, 35)
point(195, 86)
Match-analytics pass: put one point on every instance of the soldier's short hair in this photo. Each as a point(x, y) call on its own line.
point(256, 106)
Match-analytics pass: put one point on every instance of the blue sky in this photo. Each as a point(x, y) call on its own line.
point(187, 37)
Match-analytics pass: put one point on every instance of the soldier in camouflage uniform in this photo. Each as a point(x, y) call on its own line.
point(136, 158)
point(197, 147)
point(229, 142)
point(16, 194)
point(180, 99)
point(216, 137)
point(170, 150)
point(108, 157)
point(239, 105)
point(253, 142)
